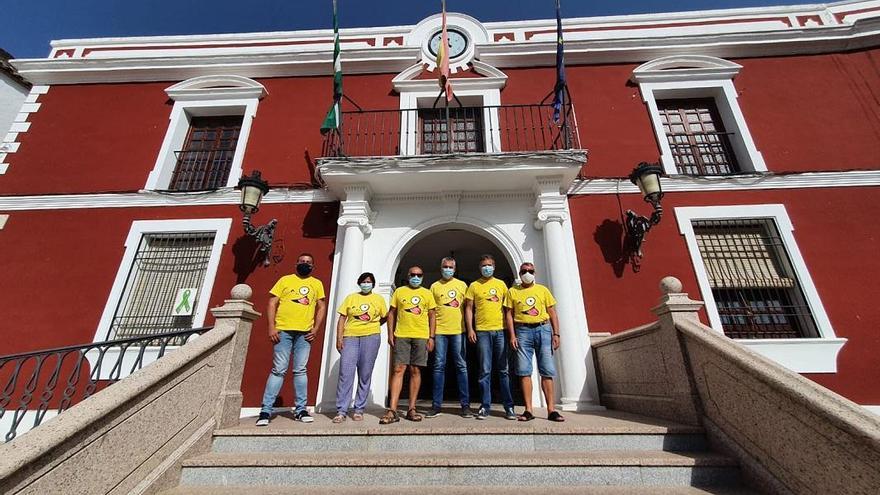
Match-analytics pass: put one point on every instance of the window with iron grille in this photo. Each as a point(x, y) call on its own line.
point(755, 289)
point(463, 127)
point(696, 137)
point(163, 264)
point(206, 157)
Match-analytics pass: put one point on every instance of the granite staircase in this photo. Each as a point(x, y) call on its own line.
point(603, 453)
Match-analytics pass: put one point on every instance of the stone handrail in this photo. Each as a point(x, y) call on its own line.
point(130, 438)
point(789, 434)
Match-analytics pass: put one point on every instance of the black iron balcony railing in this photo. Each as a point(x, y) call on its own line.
point(201, 170)
point(433, 131)
point(35, 382)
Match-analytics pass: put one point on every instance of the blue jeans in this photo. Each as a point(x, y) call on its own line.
point(442, 345)
point(492, 346)
point(535, 340)
point(295, 342)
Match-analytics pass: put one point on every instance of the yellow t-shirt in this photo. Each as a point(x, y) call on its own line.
point(488, 297)
point(530, 304)
point(296, 305)
point(412, 311)
point(449, 296)
point(362, 314)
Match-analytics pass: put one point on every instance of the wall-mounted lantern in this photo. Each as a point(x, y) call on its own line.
point(647, 177)
point(253, 188)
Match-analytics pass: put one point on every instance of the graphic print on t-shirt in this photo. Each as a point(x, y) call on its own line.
point(493, 295)
point(453, 300)
point(304, 292)
point(415, 309)
point(365, 313)
point(532, 311)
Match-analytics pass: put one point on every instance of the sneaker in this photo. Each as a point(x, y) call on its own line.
point(466, 412)
point(263, 420)
point(433, 413)
point(509, 414)
point(483, 413)
point(304, 416)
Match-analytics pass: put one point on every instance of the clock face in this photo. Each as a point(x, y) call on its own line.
point(457, 43)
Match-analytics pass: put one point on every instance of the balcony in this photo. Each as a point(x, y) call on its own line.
point(452, 131)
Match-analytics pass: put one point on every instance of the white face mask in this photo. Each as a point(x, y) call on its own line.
point(528, 278)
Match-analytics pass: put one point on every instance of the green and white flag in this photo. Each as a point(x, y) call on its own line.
point(334, 118)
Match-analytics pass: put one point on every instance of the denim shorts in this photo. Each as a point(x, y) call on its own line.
point(533, 341)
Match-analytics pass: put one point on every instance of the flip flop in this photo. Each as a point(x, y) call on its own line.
point(357, 417)
point(339, 418)
point(526, 416)
point(555, 416)
point(413, 415)
point(389, 417)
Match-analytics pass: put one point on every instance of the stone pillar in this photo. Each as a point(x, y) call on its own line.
point(238, 314)
point(355, 220)
point(577, 386)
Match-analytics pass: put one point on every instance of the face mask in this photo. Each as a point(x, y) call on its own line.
point(366, 287)
point(303, 269)
point(487, 270)
point(447, 272)
point(415, 281)
point(527, 278)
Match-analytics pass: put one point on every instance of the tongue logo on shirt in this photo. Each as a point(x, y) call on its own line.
point(304, 291)
point(416, 310)
point(493, 295)
point(533, 311)
point(453, 302)
point(365, 316)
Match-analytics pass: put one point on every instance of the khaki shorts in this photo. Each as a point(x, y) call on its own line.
point(408, 350)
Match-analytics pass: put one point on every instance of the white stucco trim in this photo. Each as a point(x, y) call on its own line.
point(801, 355)
point(202, 97)
point(873, 409)
point(10, 142)
point(3, 219)
point(697, 76)
point(220, 227)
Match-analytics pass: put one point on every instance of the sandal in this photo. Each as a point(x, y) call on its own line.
point(389, 417)
point(413, 415)
point(339, 418)
point(555, 416)
point(526, 416)
point(357, 417)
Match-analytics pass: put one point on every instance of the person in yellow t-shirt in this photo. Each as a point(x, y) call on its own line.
point(485, 297)
point(533, 328)
point(296, 313)
point(449, 295)
point(411, 328)
point(358, 339)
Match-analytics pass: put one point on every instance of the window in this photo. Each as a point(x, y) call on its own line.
point(756, 285)
point(696, 137)
point(463, 127)
point(206, 157)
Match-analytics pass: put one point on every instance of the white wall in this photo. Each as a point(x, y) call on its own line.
point(12, 95)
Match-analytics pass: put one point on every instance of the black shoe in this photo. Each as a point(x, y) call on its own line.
point(263, 420)
point(433, 413)
point(304, 416)
point(509, 414)
point(483, 413)
point(466, 412)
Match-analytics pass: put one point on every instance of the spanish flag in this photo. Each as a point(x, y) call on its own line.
point(443, 57)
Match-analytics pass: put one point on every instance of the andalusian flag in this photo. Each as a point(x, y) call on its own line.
point(334, 117)
point(559, 89)
point(443, 57)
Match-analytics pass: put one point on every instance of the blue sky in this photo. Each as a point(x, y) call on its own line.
point(27, 26)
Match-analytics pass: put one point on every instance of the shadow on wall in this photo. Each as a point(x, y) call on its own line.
point(610, 237)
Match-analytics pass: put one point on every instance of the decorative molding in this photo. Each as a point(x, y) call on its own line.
point(214, 88)
point(224, 196)
point(445, 196)
point(10, 143)
point(493, 79)
point(550, 204)
point(3, 219)
point(685, 68)
point(747, 182)
point(355, 208)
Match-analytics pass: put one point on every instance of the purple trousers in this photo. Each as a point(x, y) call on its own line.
point(358, 354)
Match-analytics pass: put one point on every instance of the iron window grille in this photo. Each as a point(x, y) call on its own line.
point(696, 137)
point(163, 264)
point(206, 158)
point(754, 285)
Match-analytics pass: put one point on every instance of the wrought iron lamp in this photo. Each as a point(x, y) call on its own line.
point(253, 188)
point(647, 177)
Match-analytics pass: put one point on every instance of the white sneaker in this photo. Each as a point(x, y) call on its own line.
point(263, 420)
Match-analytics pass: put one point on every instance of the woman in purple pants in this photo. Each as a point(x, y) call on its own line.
point(358, 339)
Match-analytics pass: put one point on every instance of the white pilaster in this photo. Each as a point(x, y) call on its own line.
point(577, 386)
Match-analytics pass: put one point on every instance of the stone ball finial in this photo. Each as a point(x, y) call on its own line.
point(670, 285)
point(242, 292)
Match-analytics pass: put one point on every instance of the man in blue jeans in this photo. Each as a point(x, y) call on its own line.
point(484, 318)
point(296, 312)
point(449, 294)
point(533, 329)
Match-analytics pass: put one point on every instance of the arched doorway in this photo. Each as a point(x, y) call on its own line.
point(466, 247)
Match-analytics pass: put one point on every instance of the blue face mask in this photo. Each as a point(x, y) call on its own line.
point(415, 281)
point(447, 272)
point(487, 270)
point(366, 287)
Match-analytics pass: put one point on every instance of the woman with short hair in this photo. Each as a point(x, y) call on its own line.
point(358, 338)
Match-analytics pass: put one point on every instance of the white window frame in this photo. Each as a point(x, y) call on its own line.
point(206, 96)
point(697, 76)
point(220, 227)
point(807, 355)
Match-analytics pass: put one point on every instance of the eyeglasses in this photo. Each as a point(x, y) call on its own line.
point(416, 274)
point(527, 270)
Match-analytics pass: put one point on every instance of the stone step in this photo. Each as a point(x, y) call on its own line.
point(651, 468)
point(458, 490)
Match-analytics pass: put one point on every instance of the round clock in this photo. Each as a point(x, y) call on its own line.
point(458, 43)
